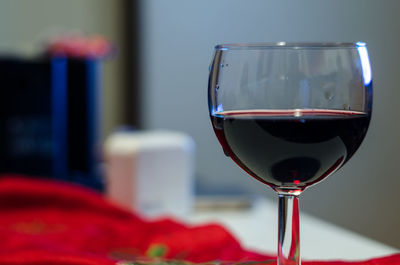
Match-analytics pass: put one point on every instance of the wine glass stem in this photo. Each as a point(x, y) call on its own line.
point(288, 230)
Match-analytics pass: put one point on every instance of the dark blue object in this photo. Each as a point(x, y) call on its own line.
point(50, 118)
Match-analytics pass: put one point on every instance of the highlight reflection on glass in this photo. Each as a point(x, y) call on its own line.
point(365, 65)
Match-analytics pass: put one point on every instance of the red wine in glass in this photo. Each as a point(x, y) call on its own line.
point(290, 148)
point(290, 114)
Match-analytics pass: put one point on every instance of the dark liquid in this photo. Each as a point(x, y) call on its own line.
point(292, 148)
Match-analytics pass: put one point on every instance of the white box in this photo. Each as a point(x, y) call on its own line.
point(151, 172)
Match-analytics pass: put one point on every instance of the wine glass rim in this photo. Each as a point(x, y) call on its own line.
point(290, 45)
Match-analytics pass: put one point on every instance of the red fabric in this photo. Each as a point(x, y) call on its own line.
point(46, 223)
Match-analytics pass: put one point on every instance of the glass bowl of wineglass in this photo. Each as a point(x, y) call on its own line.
point(290, 115)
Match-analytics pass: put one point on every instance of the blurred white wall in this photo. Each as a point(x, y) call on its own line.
point(177, 40)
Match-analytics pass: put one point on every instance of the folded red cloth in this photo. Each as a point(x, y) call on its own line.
point(45, 222)
point(63, 223)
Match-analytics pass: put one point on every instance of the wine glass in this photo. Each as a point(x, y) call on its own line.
point(290, 114)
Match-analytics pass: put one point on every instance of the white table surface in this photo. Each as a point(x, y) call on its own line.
point(256, 229)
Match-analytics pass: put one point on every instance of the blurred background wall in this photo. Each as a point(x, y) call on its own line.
point(159, 80)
